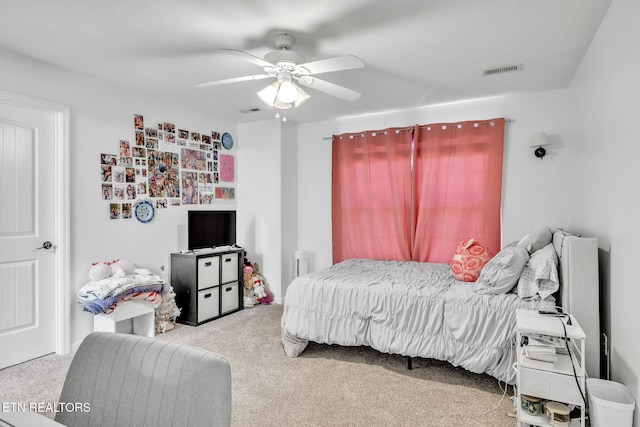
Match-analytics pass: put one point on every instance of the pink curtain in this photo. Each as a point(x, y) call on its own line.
point(414, 194)
point(371, 174)
point(458, 182)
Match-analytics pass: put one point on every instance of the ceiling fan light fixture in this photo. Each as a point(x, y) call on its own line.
point(282, 105)
point(288, 92)
point(302, 97)
point(269, 94)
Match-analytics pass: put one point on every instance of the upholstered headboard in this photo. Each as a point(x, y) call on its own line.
point(580, 290)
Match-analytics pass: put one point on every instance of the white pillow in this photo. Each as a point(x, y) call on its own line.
point(501, 273)
point(540, 274)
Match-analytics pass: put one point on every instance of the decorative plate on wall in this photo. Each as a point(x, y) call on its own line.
point(144, 211)
point(227, 140)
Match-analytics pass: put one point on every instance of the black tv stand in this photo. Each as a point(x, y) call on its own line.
point(208, 283)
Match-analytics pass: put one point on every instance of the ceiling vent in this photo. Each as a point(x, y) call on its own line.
point(250, 110)
point(502, 69)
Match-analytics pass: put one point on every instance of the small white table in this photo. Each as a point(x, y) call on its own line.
point(545, 380)
point(142, 314)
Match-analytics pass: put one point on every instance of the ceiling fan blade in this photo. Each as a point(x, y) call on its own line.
point(248, 57)
point(338, 63)
point(233, 80)
point(330, 88)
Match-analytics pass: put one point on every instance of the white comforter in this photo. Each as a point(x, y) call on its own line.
point(404, 307)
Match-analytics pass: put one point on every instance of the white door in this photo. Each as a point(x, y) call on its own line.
point(27, 234)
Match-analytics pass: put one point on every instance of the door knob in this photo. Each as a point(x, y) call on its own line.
point(46, 245)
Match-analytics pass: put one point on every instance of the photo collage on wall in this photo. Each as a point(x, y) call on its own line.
point(169, 166)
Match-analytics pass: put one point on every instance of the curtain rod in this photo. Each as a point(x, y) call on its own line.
point(506, 121)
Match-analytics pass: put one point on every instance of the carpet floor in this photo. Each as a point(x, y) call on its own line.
point(326, 385)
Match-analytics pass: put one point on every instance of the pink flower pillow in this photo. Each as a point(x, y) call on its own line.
point(468, 260)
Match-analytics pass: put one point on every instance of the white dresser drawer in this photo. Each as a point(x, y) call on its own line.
point(230, 267)
point(208, 304)
point(208, 272)
point(550, 385)
point(230, 297)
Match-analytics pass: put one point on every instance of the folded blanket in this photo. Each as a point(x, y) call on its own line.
point(97, 306)
point(111, 286)
point(153, 298)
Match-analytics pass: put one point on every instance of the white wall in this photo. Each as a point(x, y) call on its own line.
point(604, 105)
point(260, 198)
point(101, 115)
point(289, 219)
point(534, 191)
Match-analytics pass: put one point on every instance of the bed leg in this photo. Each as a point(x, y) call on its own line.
point(409, 363)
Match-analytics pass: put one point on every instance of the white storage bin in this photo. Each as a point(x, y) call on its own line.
point(208, 304)
point(229, 297)
point(610, 403)
point(229, 267)
point(208, 272)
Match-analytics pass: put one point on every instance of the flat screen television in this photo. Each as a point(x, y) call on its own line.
point(209, 229)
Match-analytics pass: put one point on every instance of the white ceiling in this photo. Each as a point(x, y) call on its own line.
point(416, 52)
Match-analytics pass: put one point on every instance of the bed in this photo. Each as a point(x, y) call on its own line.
point(420, 310)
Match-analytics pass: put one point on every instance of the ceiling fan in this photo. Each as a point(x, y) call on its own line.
point(289, 67)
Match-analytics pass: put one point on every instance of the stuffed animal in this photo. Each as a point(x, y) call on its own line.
point(469, 259)
point(127, 266)
point(119, 274)
point(258, 288)
point(537, 239)
point(268, 299)
point(248, 275)
point(99, 271)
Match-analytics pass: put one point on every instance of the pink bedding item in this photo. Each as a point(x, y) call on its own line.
point(468, 260)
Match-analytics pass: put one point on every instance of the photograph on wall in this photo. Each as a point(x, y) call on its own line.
point(114, 210)
point(151, 143)
point(138, 122)
point(117, 173)
point(106, 173)
point(189, 188)
point(139, 137)
point(125, 161)
point(225, 193)
point(163, 174)
point(161, 203)
point(227, 168)
point(125, 148)
point(183, 134)
point(205, 188)
point(107, 191)
point(129, 174)
point(151, 132)
point(131, 191)
point(139, 152)
point(118, 192)
point(127, 210)
point(142, 187)
point(108, 159)
point(169, 127)
point(193, 159)
point(206, 197)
